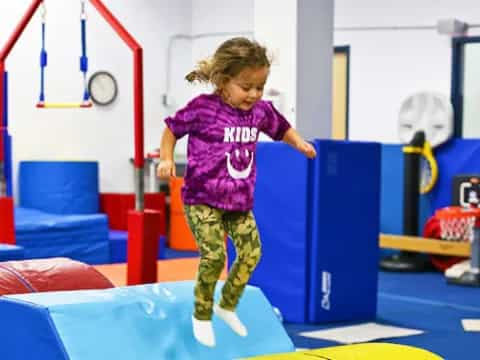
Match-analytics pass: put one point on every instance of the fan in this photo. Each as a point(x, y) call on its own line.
point(431, 113)
point(427, 111)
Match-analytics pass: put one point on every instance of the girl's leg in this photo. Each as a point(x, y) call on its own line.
point(207, 227)
point(242, 228)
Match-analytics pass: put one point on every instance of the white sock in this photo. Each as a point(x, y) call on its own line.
point(203, 332)
point(232, 320)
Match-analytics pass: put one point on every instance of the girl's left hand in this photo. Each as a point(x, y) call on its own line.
point(307, 149)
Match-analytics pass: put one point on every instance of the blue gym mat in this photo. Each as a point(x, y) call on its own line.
point(59, 187)
point(301, 207)
point(79, 237)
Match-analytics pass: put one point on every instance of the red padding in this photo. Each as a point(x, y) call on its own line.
point(432, 230)
point(10, 284)
point(143, 234)
point(117, 206)
point(7, 224)
point(55, 274)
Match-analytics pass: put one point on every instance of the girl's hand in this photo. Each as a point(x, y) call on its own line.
point(307, 149)
point(166, 169)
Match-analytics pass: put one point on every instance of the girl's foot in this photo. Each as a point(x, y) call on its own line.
point(232, 320)
point(203, 332)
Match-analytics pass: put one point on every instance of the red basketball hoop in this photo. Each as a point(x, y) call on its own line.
point(457, 223)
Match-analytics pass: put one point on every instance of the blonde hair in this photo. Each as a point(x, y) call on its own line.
point(229, 60)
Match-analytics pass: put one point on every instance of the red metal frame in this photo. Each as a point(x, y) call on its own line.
point(2, 120)
point(137, 77)
point(138, 70)
point(138, 102)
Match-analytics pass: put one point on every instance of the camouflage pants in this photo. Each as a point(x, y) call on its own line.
point(209, 225)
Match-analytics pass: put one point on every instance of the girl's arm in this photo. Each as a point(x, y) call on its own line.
point(293, 138)
point(166, 167)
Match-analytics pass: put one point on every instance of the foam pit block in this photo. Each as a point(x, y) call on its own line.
point(138, 322)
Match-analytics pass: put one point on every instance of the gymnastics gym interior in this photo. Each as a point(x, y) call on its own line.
point(370, 251)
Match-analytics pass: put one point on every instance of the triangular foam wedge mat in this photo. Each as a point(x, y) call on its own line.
point(138, 322)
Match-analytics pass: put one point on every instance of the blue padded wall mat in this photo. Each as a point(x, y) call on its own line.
point(315, 227)
point(139, 322)
point(59, 187)
point(79, 237)
point(280, 211)
point(391, 204)
point(345, 228)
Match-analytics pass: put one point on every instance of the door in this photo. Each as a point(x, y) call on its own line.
point(340, 93)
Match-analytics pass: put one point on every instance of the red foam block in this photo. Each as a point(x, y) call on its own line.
point(117, 205)
point(142, 246)
point(7, 224)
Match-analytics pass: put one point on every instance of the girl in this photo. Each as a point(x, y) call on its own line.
point(223, 129)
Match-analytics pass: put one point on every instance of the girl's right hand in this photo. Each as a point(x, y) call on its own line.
point(166, 169)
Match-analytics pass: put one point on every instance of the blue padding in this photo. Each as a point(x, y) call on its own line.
point(280, 211)
point(391, 213)
point(79, 237)
point(318, 221)
point(8, 164)
point(139, 322)
point(345, 226)
point(118, 246)
point(59, 187)
point(37, 336)
point(11, 252)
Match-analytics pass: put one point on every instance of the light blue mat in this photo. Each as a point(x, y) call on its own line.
point(139, 322)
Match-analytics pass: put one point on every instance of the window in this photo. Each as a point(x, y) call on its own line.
point(466, 86)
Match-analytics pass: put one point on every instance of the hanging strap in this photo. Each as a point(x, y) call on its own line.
point(43, 56)
point(84, 57)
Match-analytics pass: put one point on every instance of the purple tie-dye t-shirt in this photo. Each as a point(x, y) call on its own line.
point(221, 169)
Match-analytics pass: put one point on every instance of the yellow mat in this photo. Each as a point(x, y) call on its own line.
point(367, 351)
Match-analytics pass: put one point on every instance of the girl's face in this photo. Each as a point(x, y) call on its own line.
point(245, 89)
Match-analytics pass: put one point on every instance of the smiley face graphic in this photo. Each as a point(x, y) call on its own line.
point(239, 174)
